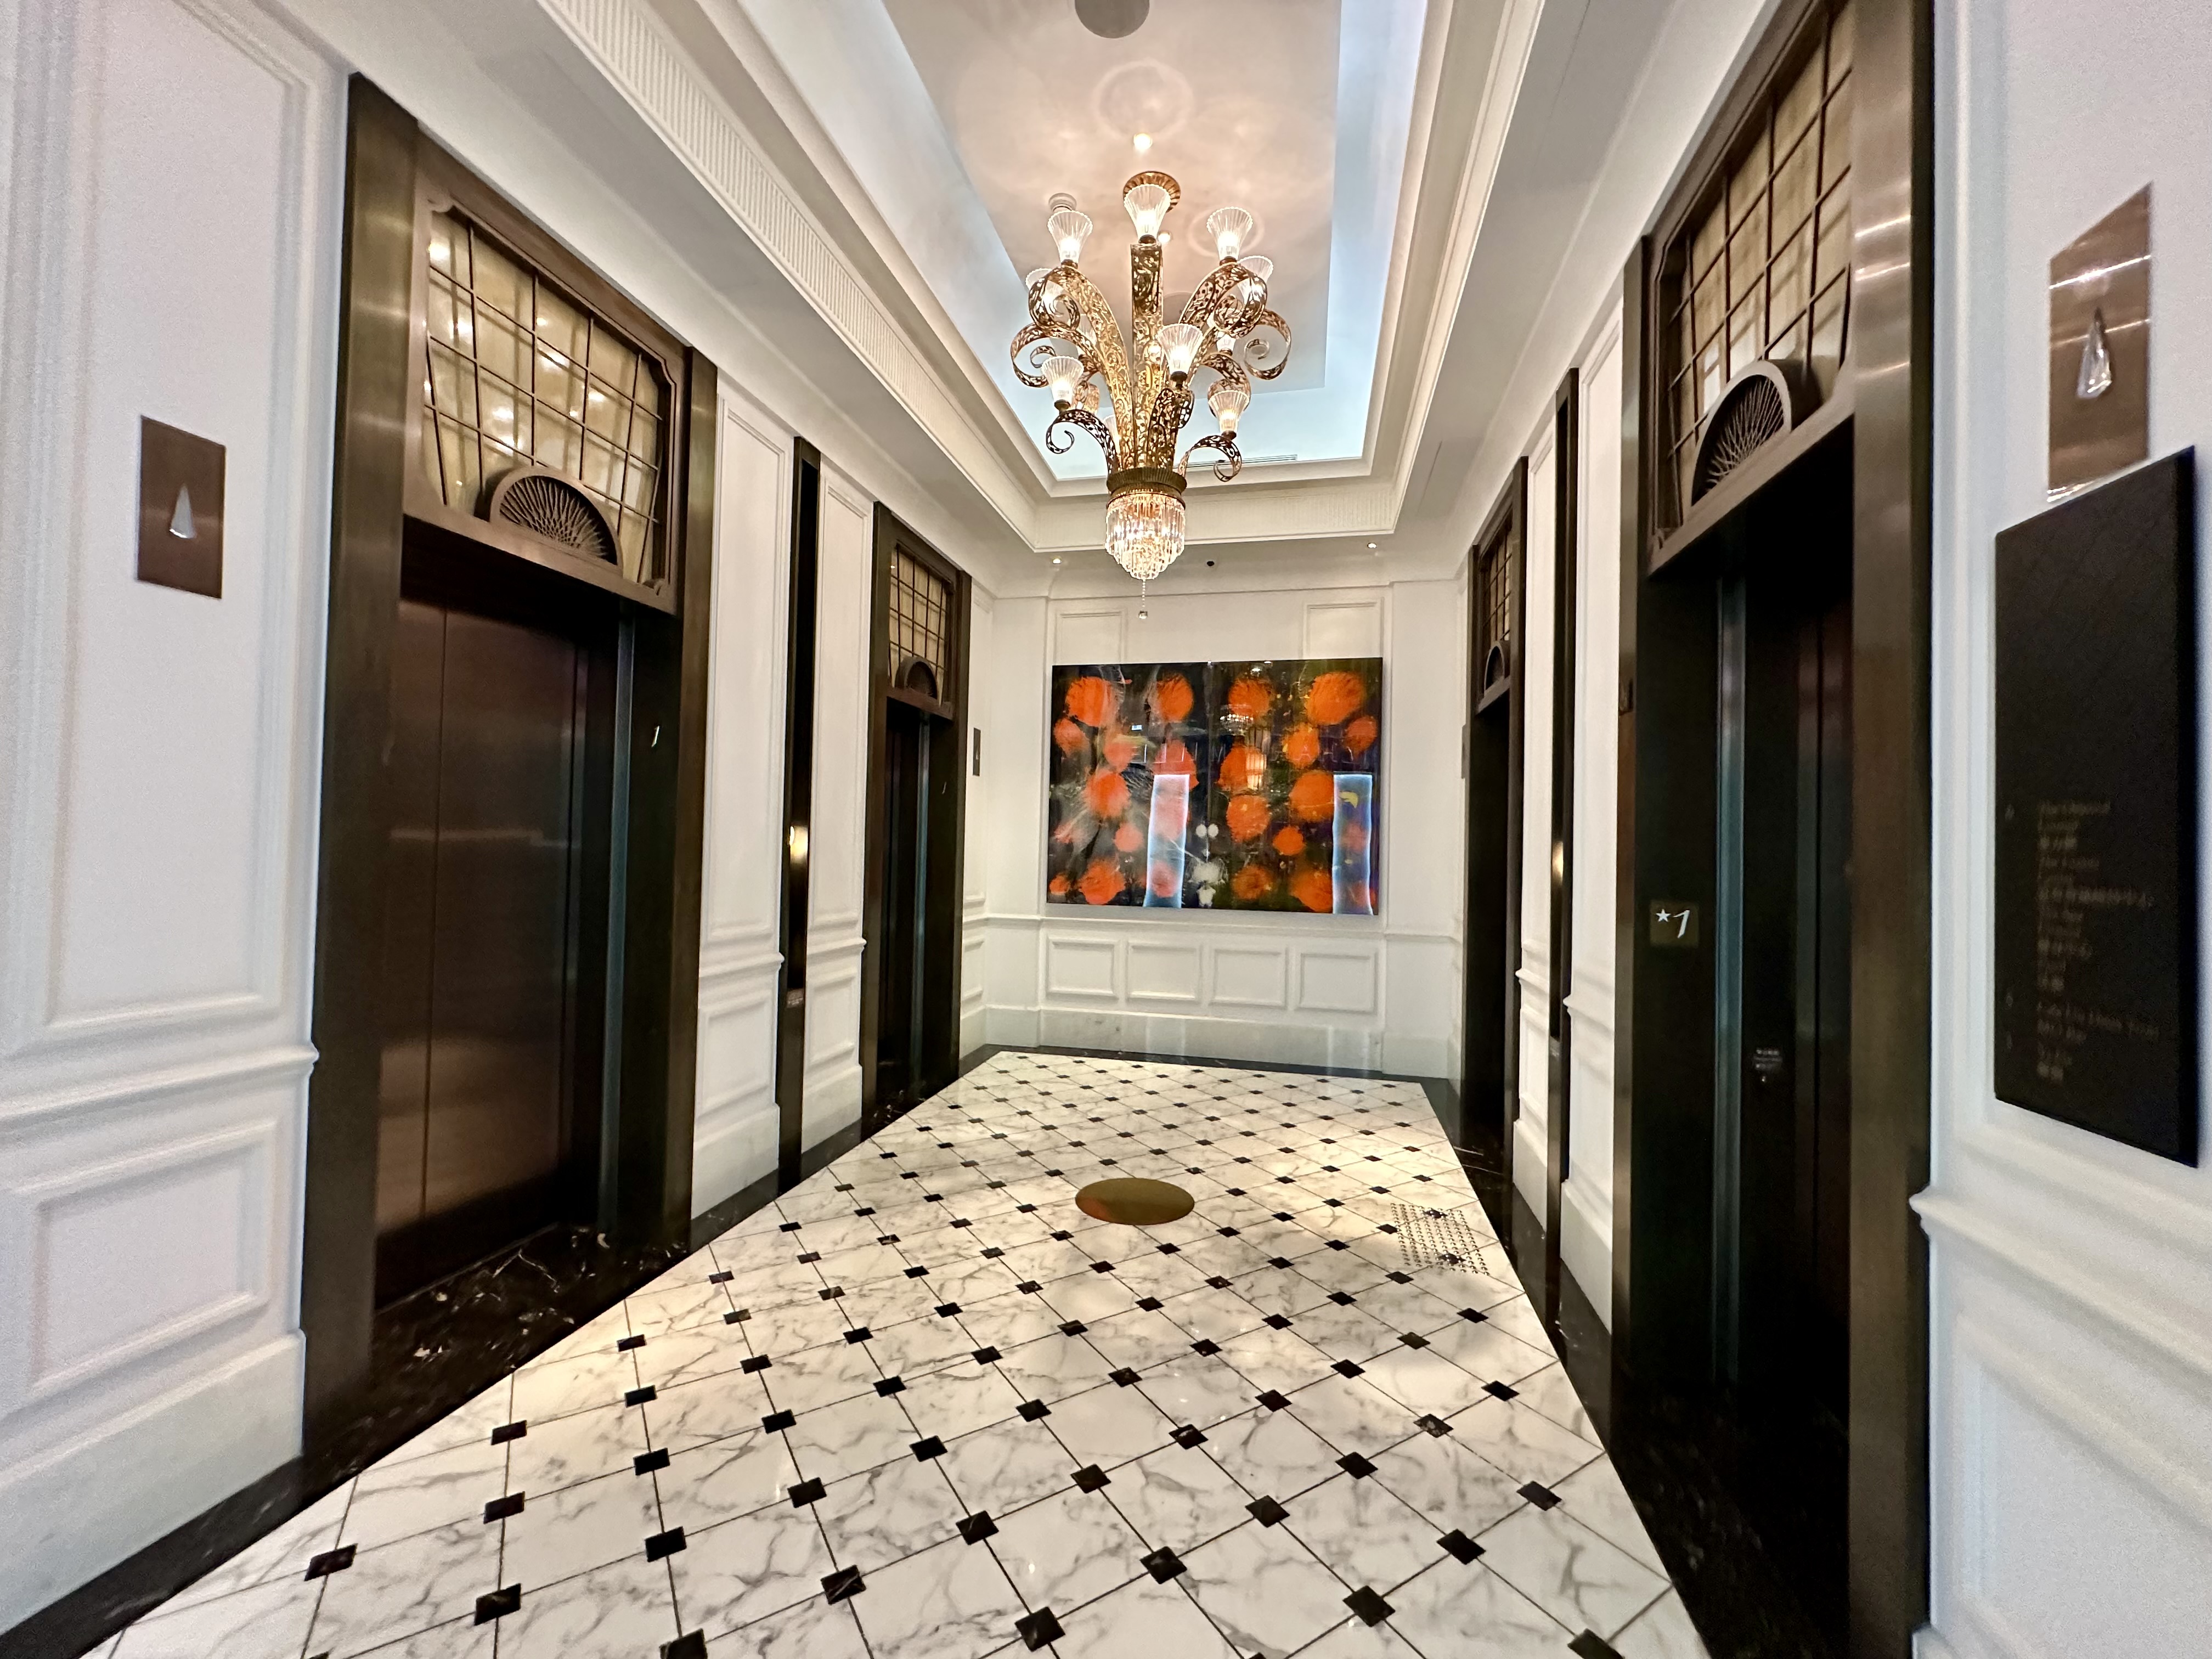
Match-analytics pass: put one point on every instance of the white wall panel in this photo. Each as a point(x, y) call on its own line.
point(1251, 975)
point(1337, 981)
point(742, 888)
point(1164, 973)
point(1530, 1154)
point(157, 763)
point(1586, 1201)
point(1082, 967)
point(2071, 1278)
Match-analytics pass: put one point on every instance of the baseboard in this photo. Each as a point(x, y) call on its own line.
point(1530, 1157)
point(1202, 1038)
point(1586, 1249)
point(730, 1155)
point(833, 1103)
point(76, 1510)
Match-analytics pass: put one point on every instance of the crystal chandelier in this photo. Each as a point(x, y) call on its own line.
point(1073, 343)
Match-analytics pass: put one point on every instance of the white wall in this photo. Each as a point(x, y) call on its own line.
point(975, 852)
point(733, 1138)
point(1531, 1130)
point(838, 831)
point(2070, 1279)
point(158, 764)
point(1379, 992)
point(1586, 1200)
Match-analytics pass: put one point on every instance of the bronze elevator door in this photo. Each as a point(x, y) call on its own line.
point(481, 984)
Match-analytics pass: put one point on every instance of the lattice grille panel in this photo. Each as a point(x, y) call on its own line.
point(919, 603)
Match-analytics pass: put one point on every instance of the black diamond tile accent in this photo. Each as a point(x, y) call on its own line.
point(1396, 1278)
point(498, 1603)
point(1170, 1249)
point(1277, 1321)
point(1590, 1645)
point(891, 1385)
point(887, 1238)
point(792, 1226)
point(871, 1210)
point(1414, 1340)
point(1429, 1424)
point(1279, 1261)
point(832, 1293)
point(1541, 1496)
point(948, 1309)
point(759, 1361)
point(1025, 1209)
point(1338, 1244)
point(1227, 1232)
point(1206, 1344)
point(1473, 1317)
point(926, 1449)
point(1073, 1328)
point(1163, 1564)
point(1371, 1608)
point(1101, 1267)
point(962, 1220)
point(807, 1491)
point(811, 1257)
point(647, 1462)
point(1090, 1478)
point(1355, 1466)
point(1029, 1287)
point(859, 1334)
point(663, 1545)
point(843, 1584)
point(1284, 1215)
point(933, 1197)
point(1218, 1282)
point(1345, 1367)
point(1125, 1376)
point(628, 1343)
point(993, 1253)
point(778, 1420)
point(977, 1527)
point(507, 1431)
point(331, 1561)
point(1274, 1401)
point(1188, 1438)
point(692, 1644)
point(737, 1318)
point(1063, 1236)
point(1458, 1546)
point(986, 1356)
point(639, 1396)
point(917, 1272)
point(1502, 1391)
point(1031, 1410)
point(1149, 1303)
point(1039, 1630)
point(1238, 1192)
point(1267, 1512)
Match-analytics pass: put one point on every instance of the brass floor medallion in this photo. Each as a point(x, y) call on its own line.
point(1134, 1202)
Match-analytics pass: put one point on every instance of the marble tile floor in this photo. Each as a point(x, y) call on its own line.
point(924, 1407)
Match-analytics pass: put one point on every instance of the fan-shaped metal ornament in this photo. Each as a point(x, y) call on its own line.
point(1758, 406)
point(547, 506)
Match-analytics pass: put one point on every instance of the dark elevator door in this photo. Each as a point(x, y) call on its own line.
point(902, 1022)
point(478, 1093)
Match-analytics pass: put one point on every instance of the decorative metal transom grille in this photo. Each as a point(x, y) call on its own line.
point(1497, 598)
point(1437, 1238)
point(1764, 269)
point(517, 373)
point(918, 602)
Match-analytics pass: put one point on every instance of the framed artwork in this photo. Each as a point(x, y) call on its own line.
point(1247, 785)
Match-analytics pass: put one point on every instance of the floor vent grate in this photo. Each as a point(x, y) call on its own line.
point(1437, 1238)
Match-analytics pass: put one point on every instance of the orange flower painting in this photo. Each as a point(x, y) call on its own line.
point(1243, 786)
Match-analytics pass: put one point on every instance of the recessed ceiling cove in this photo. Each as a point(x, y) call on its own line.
point(961, 118)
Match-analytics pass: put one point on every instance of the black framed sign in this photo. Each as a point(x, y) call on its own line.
point(2096, 812)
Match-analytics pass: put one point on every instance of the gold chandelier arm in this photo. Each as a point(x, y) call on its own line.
point(1039, 335)
point(1210, 297)
point(1088, 423)
point(1164, 424)
point(1266, 319)
point(1232, 462)
point(1097, 337)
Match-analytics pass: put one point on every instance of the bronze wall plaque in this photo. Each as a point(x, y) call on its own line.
point(179, 509)
point(2096, 947)
point(2100, 348)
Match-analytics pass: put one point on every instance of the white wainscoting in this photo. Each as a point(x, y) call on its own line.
point(1531, 1130)
point(980, 749)
point(2070, 1278)
point(838, 820)
point(157, 763)
point(734, 1135)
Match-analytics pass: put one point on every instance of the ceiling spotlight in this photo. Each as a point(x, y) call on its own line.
point(1370, 547)
point(1141, 142)
point(1055, 558)
point(1112, 18)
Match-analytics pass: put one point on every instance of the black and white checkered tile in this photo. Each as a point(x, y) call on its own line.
point(924, 1407)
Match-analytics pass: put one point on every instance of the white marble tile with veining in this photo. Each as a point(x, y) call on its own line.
point(730, 1575)
point(1264, 1590)
point(950, 1601)
point(1457, 1610)
point(1567, 1569)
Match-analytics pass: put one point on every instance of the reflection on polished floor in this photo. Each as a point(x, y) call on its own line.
point(925, 1407)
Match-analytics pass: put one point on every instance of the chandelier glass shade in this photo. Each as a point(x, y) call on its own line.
point(1133, 398)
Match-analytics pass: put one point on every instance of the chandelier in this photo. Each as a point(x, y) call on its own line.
point(1073, 343)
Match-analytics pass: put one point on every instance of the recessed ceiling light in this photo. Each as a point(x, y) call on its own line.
point(1142, 142)
point(1055, 558)
point(1370, 547)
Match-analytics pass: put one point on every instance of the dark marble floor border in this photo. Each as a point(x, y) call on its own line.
point(433, 1351)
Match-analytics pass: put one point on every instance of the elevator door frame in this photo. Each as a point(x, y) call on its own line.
point(943, 881)
point(644, 1178)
